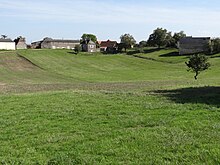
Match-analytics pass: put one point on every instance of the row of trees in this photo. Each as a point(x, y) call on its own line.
point(159, 38)
point(163, 38)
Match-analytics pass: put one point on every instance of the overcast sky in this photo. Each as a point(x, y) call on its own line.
point(108, 19)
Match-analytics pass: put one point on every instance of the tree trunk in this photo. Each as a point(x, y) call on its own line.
point(196, 75)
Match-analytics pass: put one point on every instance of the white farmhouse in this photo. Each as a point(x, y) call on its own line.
point(7, 44)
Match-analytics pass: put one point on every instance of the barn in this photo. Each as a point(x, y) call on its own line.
point(7, 44)
point(192, 45)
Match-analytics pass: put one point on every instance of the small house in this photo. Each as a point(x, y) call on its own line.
point(192, 45)
point(7, 44)
point(108, 46)
point(89, 46)
point(20, 43)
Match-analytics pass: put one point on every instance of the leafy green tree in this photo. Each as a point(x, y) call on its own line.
point(178, 36)
point(86, 37)
point(143, 44)
point(215, 45)
point(197, 63)
point(169, 40)
point(160, 37)
point(127, 41)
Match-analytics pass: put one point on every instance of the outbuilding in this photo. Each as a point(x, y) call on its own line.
point(7, 44)
point(89, 46)
point(192, 45)
point(49, 43)
point(108, 46)
point(20, 43)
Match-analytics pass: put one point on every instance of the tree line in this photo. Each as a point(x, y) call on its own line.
point(159, 38)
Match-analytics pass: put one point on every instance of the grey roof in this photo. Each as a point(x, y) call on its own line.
point(91, 42)
point(70, 41)
point(5, 40)
point(61, 40)
point(195, 38)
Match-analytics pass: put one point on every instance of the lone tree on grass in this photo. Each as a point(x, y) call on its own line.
point(197, 63)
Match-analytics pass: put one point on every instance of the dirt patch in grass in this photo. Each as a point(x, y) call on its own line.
point(15, 63)
point(116, 87)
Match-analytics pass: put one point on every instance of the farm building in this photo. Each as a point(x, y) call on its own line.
point(36, 45)
point(7, 44)
point(89, 46)
point(20, 43)
point(50, 43)
point(191, 45)
point(108, 45)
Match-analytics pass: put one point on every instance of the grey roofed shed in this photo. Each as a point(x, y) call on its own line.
point(191, 45)
point(5, 40)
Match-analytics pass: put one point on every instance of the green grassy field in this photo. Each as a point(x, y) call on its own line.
point(136, 108)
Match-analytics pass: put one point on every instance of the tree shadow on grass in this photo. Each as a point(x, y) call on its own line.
point(171, 54)
point(152, 50)
point(145, 51)
point(215, 56)
point(133, 52)
point(204, 95)
point(72, 53)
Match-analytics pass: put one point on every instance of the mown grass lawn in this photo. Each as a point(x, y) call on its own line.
point(60, 108)
point(79, 127)
point(105, 68)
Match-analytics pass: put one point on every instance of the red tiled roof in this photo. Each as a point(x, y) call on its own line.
point(108, 44)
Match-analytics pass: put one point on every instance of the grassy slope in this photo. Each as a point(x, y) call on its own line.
point(163, 70)
point(103, 68)
point(16, 70)
point(63, 67)
point(109, 121)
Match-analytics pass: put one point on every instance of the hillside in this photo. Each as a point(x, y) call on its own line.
point(101, 68)
point(15, 69)
point(62, 69)
point(60, 108)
